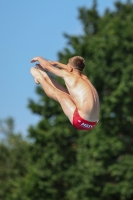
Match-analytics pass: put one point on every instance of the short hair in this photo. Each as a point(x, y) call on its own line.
point(77, 62)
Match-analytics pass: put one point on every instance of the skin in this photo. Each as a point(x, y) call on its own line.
point(79, 92)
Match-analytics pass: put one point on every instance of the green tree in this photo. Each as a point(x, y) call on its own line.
point(105, 157)
point(14, 159)
point(96, 165)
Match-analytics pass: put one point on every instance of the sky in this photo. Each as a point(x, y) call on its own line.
point(28, 29)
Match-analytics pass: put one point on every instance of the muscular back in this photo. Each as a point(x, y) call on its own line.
point(81, 90)
point(84, 95)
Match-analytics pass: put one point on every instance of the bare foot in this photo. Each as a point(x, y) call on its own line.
point(36, 74)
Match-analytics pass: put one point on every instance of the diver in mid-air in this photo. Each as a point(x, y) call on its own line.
point(79, 100)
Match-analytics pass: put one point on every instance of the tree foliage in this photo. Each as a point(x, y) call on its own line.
point(14, 159)
point(96, 165)
point(99, 164)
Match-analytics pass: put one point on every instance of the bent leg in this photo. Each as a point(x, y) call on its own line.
point(63, 98)
point(51, 81)
point(67, 105)
point(49, 89)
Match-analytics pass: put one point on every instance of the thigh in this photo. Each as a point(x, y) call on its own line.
point(64, 98)
point(57, 85)
point(51, 80)
point(67, 105)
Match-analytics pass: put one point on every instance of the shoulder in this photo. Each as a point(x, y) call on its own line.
point(71, 79)
point(84, 77)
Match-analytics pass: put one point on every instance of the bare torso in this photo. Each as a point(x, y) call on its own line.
point(81, 90)
point(84, 95)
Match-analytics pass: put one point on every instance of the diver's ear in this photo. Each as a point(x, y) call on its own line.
point(71, 69)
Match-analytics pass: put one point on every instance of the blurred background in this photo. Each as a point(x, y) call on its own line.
point(42, 156)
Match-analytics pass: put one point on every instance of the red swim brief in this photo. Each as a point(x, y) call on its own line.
point(82, 124)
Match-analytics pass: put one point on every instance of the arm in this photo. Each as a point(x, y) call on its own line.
point(48, 66)
point(58, 64)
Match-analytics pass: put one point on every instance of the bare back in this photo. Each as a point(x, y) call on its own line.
point(81, 90)
point(84, 95)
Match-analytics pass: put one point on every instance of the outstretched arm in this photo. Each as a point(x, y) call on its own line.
point(49, 67)
point(58, 64)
